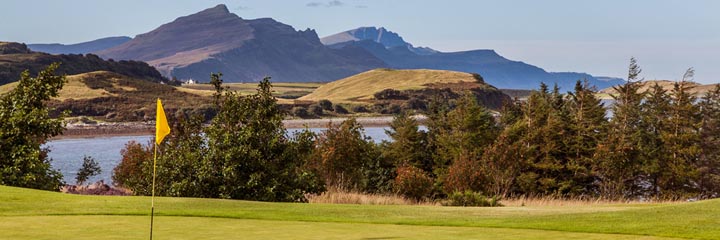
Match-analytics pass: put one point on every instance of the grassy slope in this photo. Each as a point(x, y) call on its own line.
point(364, 85)
point(56, 215)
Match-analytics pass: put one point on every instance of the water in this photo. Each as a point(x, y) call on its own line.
point(67, 154)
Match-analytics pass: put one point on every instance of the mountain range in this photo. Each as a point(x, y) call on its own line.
point(79, 48)
point(246, 50)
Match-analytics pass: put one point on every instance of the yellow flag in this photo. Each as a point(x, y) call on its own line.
point(162, 128)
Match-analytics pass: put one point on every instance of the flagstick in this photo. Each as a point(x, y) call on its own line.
point(152, 199)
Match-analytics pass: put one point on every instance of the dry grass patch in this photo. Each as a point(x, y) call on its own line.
point(336, 196)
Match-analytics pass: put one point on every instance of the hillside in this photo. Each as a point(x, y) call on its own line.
point(696, 88)
point(79, 48)
point(33, 214)
point(361, 88)
point(114, 97)
point(497, 70)
point(215, 40)
point(16, 58)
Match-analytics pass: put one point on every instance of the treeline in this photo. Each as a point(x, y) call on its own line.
point(657, 144)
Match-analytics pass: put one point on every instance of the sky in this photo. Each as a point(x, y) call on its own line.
point(598, 37)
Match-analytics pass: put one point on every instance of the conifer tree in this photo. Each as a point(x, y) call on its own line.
point(708, 165)
point(655, 115)
point(681, 139)
point(619, 157)
point(588, 127)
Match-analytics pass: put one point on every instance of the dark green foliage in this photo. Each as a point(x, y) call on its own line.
point(243, 154)
point(26, 124)
point(390, 94)
point(326, 104)
point(360, 109)
point(708, 165)
point(409, 145)
point(316, 110)
point(471, 199)
point(339, 109)
point(89, 168)
point(300, 112)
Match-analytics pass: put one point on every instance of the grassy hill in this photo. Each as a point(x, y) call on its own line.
point(115, 97)
point(697, 89)
point(32, 214)
point(360, 88)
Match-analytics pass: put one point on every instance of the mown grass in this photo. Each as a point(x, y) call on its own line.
point(681, 220)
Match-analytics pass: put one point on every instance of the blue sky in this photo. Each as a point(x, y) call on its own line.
point(597, 37)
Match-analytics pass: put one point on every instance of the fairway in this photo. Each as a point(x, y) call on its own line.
point(32, 214)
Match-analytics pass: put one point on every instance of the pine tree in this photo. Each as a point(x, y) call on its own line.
point(588, 127)
point(681, 138)
point(619, 157)
point(655, 116)
point(708, 166)
point(409, 144)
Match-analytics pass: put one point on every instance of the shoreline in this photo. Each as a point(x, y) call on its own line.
point(148, 128)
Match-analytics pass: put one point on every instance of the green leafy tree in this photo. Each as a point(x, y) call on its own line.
point(89, 168)
point(26, 124)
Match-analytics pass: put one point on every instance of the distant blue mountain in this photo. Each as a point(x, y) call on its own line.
point(495, 69)
point(79, 48)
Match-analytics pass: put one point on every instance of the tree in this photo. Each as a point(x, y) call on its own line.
point(619, 156)
point(409, 144)
point(588, 127)
point(26, 124)
point(708, 165)
point(681, 140)
point(655, 118)
point(249, 151)
point(89, 168)
point(326, 104)
point(347, 159)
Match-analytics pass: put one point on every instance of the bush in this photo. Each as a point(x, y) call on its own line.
point(471, 199)
point(129, 172)
point(389, 94)
point(89, 168)
point(340, 109)
point(413, 182)
point(360, 109)
point(415, 104)
point(391, 109)
point(300, 112)
point(326, 105)
point(465, 174)
point(316, 110)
